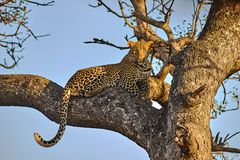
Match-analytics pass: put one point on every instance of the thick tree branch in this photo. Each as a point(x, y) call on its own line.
point(113, 109)
point(159, 24)
point(143, 30)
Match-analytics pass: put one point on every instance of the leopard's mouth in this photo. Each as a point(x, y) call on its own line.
point(148, 70)
point(144, 69)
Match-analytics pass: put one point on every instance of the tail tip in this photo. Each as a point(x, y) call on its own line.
point(37, 137)
point(39, 140)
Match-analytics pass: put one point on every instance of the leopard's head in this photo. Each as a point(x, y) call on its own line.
point(139, 52)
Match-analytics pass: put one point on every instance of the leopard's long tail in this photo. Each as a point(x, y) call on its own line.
point(63, 122)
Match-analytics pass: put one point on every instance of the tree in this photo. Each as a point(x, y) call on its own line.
point(181, 127)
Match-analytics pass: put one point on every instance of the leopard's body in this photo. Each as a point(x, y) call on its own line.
point(131, 74)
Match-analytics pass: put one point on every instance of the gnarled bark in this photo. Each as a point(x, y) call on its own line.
point(113, 109)
point(207, 62)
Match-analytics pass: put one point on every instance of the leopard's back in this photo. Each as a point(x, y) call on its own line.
point(91, 81)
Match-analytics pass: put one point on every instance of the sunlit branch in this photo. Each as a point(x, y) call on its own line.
point(183, 41)
point(158, 24)
point(164, 71)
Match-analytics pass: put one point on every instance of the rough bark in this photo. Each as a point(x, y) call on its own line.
point(178, 131)
point(207, 62)
point(113, 109)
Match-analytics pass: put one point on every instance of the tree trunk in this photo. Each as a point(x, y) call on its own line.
point(199, 70)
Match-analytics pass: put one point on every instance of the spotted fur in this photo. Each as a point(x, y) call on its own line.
point(131, 73)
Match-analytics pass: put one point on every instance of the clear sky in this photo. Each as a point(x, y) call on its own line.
point(57, 57)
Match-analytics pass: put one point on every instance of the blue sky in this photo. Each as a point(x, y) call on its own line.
point(57, 57)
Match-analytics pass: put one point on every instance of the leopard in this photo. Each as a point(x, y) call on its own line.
point(130, 73)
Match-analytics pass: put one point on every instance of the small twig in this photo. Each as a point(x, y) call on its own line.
point(225, 149)
point(51, 3)
point(15, 62)
point(169, 12)
point(224, 94)
point(123, 15)
point(232, 136)
point(198, 91)
point(195, 18)
point(154, 7)
point(43, 35)
point(5, 2)
point(101, 3)
point(8, 67)
point(219, 143)
point(232, 109)
point(101, 41)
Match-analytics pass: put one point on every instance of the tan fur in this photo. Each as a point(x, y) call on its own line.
point(131, 74)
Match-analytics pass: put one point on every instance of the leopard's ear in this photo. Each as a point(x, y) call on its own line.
point(149, 44)
point(131, 44)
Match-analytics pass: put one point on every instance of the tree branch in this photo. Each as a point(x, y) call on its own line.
point(15, 14)
point(159, 90)
point(159, 24)
point(15, 62)
point(102, 41)
point(195, 17)
point(124, 17)
point(113, 109)
point(217, 148)
point(50, 3)
point(101, 3)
